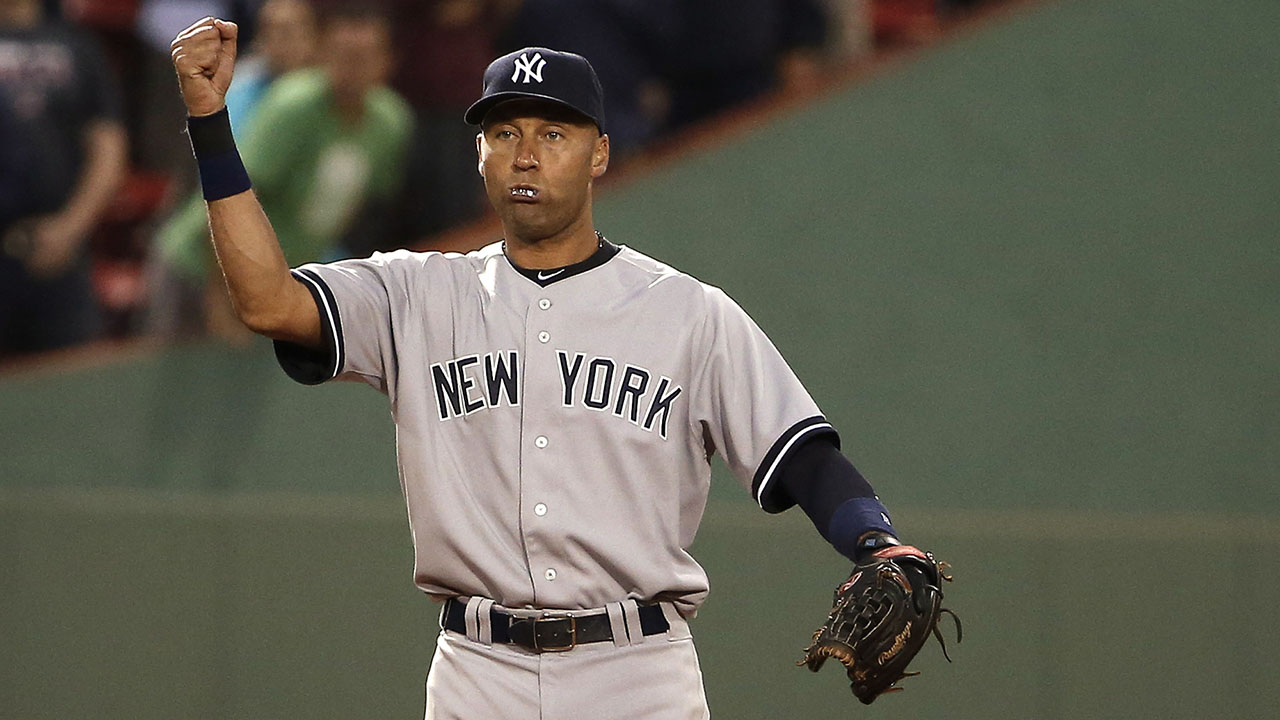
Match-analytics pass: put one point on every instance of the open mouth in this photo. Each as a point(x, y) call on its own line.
point(524, 193)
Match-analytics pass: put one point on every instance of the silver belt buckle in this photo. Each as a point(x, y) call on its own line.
point(561, 633)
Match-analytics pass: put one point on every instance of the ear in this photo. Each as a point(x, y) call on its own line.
point(600, 157)
point(480, 153)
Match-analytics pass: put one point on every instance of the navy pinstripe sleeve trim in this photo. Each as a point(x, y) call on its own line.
point(793, 438)
point(312, 367)
point(330, 320)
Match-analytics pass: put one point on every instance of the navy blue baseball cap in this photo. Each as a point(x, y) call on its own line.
point(541, 74)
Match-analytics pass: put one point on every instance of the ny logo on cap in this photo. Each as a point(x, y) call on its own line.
point(532, 68)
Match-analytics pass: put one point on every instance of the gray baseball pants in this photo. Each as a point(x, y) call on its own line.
point(655, 678)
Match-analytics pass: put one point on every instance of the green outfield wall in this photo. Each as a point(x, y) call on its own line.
point(1031, 274)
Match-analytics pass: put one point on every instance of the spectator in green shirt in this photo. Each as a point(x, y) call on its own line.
point(325, 150)
point(285, 41)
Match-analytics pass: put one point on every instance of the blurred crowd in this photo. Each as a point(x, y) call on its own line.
point(348, 116)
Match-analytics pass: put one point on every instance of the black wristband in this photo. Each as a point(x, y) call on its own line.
point(222, 173)
point(851, 527)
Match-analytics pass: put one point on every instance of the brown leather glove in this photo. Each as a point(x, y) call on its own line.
point(883, 615)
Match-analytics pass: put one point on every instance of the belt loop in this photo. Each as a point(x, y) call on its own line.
point(678, 627)
point(631, 611)
point(617, 624)
point(484, 621)
point(473, 618)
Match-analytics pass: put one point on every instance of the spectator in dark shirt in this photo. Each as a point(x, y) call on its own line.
point(441, 42)
point(733, 51)
point(19, 166)
point(67, 102)
point(625, 41)
point(668, 63)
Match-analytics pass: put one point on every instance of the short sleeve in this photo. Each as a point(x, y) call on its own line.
point(355, 299)
point(751, 406)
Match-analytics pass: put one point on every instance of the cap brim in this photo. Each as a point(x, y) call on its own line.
point(475, 114)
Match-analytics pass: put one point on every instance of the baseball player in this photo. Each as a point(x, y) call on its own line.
point(557, 400)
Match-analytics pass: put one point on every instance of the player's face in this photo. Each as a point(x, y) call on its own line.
point(538, 161)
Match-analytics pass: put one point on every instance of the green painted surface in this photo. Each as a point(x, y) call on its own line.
point(1036, 266)
point(201, 417)
point(1033, 270)
point(288, 605)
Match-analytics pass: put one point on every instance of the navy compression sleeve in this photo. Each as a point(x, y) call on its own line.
point(835, 496)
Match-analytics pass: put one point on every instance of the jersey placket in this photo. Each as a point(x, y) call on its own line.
point(540, 446)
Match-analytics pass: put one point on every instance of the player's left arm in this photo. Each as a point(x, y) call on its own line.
point(778, 444)
point(842, 505)
point(775, 438)
point(892, 599)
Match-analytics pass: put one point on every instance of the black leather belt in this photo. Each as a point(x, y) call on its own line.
point(550, 634)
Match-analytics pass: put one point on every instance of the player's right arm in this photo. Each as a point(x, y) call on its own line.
point(263, 293)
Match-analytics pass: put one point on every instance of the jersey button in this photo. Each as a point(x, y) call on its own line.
point(544, 303)
point(544, 336)
point(550, 574)
point(540, 509)
point(540, 441)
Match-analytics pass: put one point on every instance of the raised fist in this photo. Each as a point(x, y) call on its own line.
point(205, 56)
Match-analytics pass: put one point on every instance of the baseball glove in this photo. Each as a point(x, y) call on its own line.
point(883, 615)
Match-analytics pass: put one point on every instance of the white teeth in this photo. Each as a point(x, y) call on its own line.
point(524, 192)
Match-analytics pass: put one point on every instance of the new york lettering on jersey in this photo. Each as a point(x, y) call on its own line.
point(626, 397)
point(598, 398)
point(476, 382)
point(470, 383)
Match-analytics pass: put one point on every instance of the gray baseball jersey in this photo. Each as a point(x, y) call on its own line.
point(554, 442)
